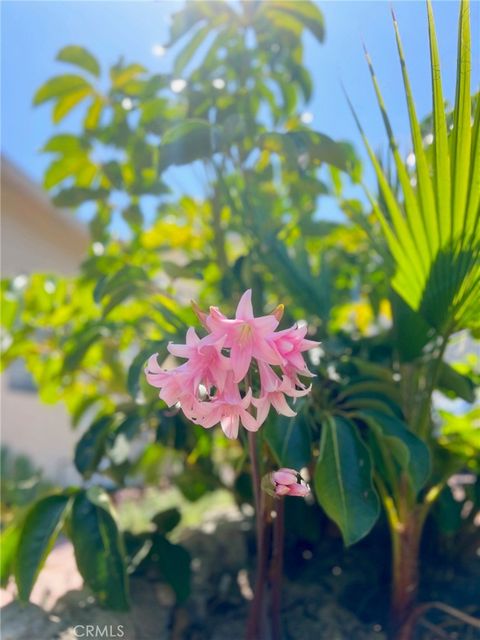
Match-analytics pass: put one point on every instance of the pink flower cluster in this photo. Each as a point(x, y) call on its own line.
point(213, 385)
point(287, 482)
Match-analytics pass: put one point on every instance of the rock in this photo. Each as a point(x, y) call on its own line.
point(27, 621)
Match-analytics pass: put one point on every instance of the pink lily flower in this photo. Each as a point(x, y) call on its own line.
point(175, 385)
point(246, 336)
point(206, 363)
point(273, 391)
point(288, 483)
point(229, 409)
point(290, 344)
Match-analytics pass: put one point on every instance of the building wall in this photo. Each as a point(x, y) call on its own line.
point(36, 237)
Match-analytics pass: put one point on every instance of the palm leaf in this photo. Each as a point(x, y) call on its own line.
point(432, 229)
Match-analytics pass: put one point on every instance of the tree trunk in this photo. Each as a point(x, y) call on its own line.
point(405, 575)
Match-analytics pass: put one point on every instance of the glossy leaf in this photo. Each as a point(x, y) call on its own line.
point(289, 440)
point(39, 532)
point(99, 548)
point(174, 565)
point(343, 480)
point(60, 86)
point(410, 451)
point(91, 446)
point(80, 57)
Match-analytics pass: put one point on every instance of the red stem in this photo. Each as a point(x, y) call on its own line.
point(277, 569)
point(255, 617)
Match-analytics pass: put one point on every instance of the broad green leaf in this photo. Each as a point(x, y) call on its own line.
point(183, 131)
point(80, 57)
point(94, 112)
point(39, 532)
point(186, 142)
point(451, 380)
point(343, 480)
point(9, 538)
point(289, 440)
point(68, 102)
point(65, 144)
point(167, 520)
point(91, 446)
point(174, 564)
point(60, 169)
point(411, 452)
point(305, 13)
point(75, 196)
point(121, 76)
point(60, 86)
point(315, 147)
point(99, 549)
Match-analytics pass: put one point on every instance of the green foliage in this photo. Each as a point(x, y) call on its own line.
point(38, 534)
point(384, 291)
point(343, 480)
point(99, 548)
point(432, 233)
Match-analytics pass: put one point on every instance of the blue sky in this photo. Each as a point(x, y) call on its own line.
point(33, 32)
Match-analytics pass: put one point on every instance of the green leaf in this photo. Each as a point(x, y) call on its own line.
point(174, 564)
point(60, 86)
point(80, 57)
point(304, 12)
point(451, 380)
point(186, 142)
point(289, 440)
point(312, 147)
point(91, 446)
point(167, 520)
point(69, 102)
point(65, 144)
point(412, 454)
point(58, 170)
point(75, 196)
point(94, 112)
point(39, 532)
point(186, 129)
point(461, 134)
point(9, 543)
point(78, 347)
point(121, 76)
point(187, 53)
point(99, 549)
point(343, 480)
point(138, 364)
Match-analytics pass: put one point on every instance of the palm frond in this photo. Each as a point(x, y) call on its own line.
point(432, 229)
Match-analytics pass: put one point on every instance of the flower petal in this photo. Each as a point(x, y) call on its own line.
point(244, 308)
point(230, 425)
point(249, 421)
point(240, 359)
point(280, 405)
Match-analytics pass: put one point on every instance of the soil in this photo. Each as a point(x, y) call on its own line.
point(329, 593)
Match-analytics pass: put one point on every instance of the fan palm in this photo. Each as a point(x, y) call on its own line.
point(430, 229)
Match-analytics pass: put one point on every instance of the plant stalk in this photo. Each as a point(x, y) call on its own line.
point(255, 617)
point(277, 569)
